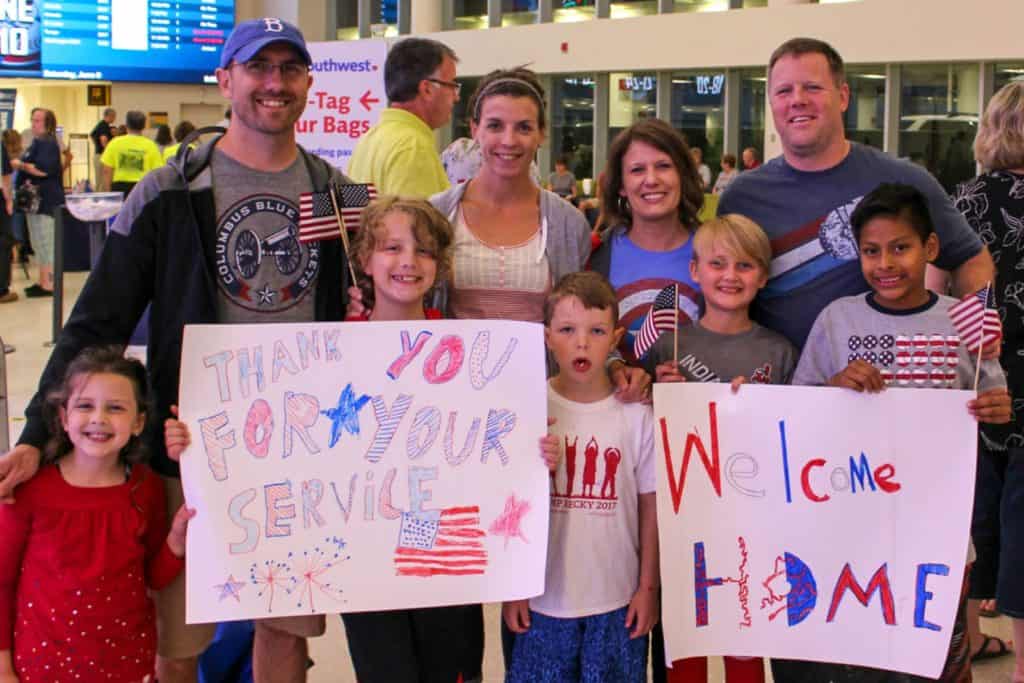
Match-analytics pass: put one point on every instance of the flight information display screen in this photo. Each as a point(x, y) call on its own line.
point(176, 41)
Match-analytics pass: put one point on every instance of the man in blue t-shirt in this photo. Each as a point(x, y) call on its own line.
point(803, 199)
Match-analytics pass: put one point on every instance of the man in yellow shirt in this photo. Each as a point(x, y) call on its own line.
point(398, 154)
point(129, 157)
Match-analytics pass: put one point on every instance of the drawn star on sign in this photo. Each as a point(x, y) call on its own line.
point(345, 416)
point(509, 522)
point(265, 295)
point(230, 588)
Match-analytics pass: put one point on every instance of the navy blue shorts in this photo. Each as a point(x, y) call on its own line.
point(590, 649)
point(998, 530)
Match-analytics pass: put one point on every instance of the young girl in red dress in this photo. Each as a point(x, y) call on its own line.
point(87, 536)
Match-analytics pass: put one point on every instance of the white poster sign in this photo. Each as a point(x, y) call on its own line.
point(346, 99)
point(362, 466)
point(813, 523)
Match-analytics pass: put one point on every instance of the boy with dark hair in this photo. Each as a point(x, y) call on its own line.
point(861, 342)
point(594, 629)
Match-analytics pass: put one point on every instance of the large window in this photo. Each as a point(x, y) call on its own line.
point(698, 99)
point(348, 20)
point(939, 118)
point(518, 12)
point(701, 5)
point(572, 122)
point(470, 14)
point(460, 112)
point(1006, 73)
point(573, 10)
point(384, 18)
point(623, 9)
point(753, 86)
point(865, 117)
point(631, 97)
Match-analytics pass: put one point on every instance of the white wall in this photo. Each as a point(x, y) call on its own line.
point(149, 97)
point(868, 31)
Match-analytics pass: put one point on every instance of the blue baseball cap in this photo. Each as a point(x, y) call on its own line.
point(249, 37)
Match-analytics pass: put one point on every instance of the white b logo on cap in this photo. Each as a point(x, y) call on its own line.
point(273, 24)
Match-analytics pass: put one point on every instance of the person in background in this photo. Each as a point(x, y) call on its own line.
point(702, 169)
point(993, 204)
point(40, 167)
point(751, 159)
point(11, 140)
point(562, 182)
point(163, 138)
point(181, 131)
point(398, 154)
point(6, 236)
point(129, 157)
point(729, 172)
point(101, 135)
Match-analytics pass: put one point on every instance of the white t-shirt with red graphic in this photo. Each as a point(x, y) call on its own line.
point(594, 542)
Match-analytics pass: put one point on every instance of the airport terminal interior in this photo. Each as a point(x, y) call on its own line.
point(920, 73)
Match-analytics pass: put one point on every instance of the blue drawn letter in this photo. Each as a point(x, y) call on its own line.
point(701, 583)
point(481, 345)
point(387, 424)
point(247, 369)
point(418, 495)
point(467, 445)
point(427, 417)
point(499, 423)
point(312, 493)
point(220, 361)
point(250, 526)
point(922, 595)
point(858, 474)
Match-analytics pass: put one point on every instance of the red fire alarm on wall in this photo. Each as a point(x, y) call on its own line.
point(565, 48)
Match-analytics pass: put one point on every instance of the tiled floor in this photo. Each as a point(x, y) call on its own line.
point(26, 324)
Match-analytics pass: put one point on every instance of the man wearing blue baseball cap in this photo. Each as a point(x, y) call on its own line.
point(182, 245)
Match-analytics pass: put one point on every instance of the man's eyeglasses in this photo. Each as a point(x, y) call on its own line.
point(290, 71)
point(457, 87)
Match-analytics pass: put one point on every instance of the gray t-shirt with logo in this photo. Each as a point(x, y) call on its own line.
point(760, 355)
point(264, 274)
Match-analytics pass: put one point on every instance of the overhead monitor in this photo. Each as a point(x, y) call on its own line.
point(176, 41)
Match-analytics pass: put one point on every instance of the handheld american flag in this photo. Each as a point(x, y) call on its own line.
point(976, 323)
point(661, 318)
point(317, 218)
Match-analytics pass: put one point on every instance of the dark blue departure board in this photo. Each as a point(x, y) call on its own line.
point(176, 41)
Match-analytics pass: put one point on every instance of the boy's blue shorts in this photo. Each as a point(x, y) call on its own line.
point(590, 649)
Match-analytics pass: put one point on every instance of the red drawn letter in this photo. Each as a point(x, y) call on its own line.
point(693, 441)
point(879, 582)
point(805, 481)
point(882, 476)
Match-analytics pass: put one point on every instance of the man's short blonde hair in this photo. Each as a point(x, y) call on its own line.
point(1000, 141)
point(736, 234)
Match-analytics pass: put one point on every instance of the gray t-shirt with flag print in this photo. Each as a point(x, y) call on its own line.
point(263, 272)
point(918, 347)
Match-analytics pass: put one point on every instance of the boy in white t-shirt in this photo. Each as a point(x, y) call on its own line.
point(600, 603)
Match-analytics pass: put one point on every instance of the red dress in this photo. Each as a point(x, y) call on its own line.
point(74, 571)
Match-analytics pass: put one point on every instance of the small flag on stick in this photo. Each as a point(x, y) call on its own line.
point(318, 219)
point(976, 323)
point(661, 318)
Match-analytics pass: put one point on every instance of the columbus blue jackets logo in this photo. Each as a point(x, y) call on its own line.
point(260, 263)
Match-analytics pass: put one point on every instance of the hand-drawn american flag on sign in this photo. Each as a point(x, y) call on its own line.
point(316, 211)
point(975, 321)
point(449, 543)
point(660, 318)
